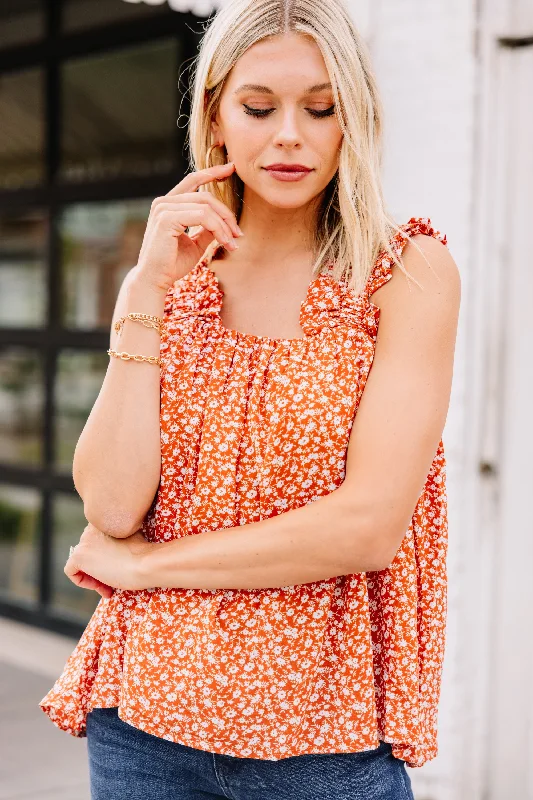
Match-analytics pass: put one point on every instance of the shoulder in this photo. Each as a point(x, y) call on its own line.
point(441, 262)
point(434, 278)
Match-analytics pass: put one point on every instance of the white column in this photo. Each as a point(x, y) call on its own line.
point(424, 57)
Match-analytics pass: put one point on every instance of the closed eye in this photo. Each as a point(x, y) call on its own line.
point(264, 112)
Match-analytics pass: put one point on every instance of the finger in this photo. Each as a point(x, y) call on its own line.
point(188, 215)
point(193, 180)
point(102, 588)
point(202, 239)
point(73, 570)
point(202, 197)
point(88, 582)
point(76, 576)
point(208, 218)
point(85, 581)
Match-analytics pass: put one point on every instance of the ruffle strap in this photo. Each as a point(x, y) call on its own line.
point(382, 270)
point(197, 293)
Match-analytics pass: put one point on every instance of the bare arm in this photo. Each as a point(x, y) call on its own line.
point(360, 526)
point(117, 460)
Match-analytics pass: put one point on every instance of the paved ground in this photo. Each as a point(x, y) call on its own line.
point(37, 761)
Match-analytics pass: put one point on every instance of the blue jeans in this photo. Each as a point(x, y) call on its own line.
point(129, 764)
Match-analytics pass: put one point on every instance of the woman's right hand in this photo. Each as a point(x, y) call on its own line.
point(167, 253)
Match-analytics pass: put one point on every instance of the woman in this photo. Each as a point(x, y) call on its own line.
point(294, 647)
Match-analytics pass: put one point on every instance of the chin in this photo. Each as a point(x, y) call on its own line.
point(289, 199)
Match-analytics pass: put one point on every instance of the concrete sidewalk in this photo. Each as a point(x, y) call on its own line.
point(38, 761)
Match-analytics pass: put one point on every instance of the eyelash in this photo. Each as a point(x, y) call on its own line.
point(264, 112)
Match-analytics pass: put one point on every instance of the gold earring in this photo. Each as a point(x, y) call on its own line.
point(208, 154)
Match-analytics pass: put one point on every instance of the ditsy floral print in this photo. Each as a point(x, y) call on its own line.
point(252, 427)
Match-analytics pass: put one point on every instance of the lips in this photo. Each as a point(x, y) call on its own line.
point(288, 168)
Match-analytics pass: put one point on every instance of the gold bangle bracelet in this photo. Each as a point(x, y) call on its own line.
point(148, 320)
point(134, 357)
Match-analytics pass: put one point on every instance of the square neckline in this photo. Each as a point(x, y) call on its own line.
point(270, 340)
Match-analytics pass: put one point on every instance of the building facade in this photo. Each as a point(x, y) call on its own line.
point(90, 96)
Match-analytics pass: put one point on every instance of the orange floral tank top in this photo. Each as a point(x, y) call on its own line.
point(252, 427)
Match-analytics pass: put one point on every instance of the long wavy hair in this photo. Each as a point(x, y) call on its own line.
point(353, 226)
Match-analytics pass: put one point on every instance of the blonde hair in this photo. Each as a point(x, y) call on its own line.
point(353, 226)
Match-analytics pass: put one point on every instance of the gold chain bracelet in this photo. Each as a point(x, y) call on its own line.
point(134, 356)
point(148, 320)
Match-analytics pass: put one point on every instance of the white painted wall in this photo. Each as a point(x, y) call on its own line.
point(505, 710)
point(424, 57)
point(459, 134)
point(510, 713)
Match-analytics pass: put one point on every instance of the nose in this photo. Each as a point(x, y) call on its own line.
point(287, 134)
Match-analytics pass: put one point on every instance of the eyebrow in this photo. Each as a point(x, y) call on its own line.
point(257, 87)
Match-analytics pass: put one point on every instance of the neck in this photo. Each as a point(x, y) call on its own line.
point(273, 233)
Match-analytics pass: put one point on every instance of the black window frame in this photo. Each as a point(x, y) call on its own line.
point(52, 196)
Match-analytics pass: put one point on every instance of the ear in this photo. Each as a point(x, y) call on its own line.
point(216, 132)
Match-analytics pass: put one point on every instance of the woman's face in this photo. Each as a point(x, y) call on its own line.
point(277, 108)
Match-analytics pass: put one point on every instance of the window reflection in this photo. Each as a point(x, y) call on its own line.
point(79, 379)
point(79, 14)
point(19, 532)
point(21, 22)
point(21, 406)
point(22, 270)
point(101, 243)
point(21, 129)
point(67, 598)
point(120, 112)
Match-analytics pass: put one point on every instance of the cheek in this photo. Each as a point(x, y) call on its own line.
point(331, 145)
point(245, 143)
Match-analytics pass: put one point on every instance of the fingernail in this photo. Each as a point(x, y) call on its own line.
point(241, 233)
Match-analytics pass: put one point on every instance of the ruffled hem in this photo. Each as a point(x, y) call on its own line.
point(93, 677)
point(71, 725)
point(415, 755)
